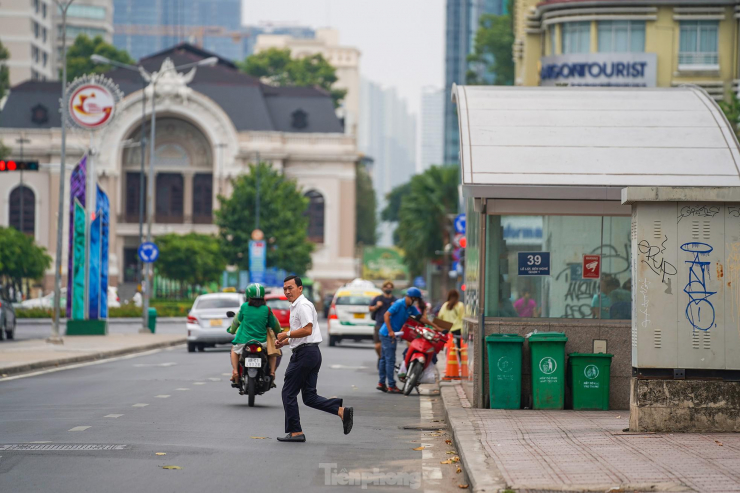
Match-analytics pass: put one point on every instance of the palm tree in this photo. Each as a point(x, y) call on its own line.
point(425, 224)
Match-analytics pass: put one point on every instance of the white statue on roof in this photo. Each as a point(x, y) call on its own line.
point(169, 82)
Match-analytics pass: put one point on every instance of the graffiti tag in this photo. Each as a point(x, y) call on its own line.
point(699, 310)
point(644, 285)
point(700, 211)
point(657, 264)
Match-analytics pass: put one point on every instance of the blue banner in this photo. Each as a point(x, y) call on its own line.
point(94, 282)
point(257, 261)
point(104, 208)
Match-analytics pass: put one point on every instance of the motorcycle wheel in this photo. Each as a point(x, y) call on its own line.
point(412, 377)
point(251, 390)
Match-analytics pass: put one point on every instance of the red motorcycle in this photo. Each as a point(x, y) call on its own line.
point(425, 343)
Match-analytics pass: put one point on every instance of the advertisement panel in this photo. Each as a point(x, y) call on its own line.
point(380, 263)
point(600, 69)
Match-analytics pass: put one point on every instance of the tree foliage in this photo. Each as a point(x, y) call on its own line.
point(393, 202)
point(4, 150)
point(192, 258)
point(494, 40)
point(276, 67)
point(366, 219)
point(731, 109)
point(282, 218)
point(78, 56)
point(20, 258)
point(4, 71)
point(424, 225)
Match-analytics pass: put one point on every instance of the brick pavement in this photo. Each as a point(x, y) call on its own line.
point(589, 451)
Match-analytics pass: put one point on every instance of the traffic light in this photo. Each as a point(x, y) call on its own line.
point(10, 165)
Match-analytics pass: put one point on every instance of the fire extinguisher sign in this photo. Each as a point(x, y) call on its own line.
point(591, 266)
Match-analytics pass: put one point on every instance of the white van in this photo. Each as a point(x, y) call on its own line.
point(349, 315)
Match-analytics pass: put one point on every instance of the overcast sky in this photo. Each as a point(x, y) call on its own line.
point(402, 41)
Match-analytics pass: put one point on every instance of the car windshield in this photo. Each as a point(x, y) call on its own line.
point(354, 300)
point(217, 302)
point(278, 304)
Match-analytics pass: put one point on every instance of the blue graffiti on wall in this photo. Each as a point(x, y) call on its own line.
point(699, 310)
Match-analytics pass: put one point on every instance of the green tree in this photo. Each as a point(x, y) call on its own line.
point(192, 258)
point(4, 150)
point(4, 71)
point(494, 40)
point(365, 217)
point(731, 110)
point(275, 66)
point(282, 218)
point(425, 226)
point(78, 56)
point(393, 202)
point(20, 258)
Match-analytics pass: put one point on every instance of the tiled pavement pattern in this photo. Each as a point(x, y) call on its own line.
point(553, 450)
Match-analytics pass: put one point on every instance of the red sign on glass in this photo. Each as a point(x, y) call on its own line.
point(591, 266)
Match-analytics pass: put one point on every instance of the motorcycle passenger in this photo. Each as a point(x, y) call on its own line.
point(251, 324)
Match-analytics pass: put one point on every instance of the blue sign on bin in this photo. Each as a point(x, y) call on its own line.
point(534, 264)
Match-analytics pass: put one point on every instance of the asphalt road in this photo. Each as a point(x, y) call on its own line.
point(181, 404)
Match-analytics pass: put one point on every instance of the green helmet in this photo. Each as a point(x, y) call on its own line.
point(255, 291)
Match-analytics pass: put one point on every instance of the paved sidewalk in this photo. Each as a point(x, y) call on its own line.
point(35, 354)
point(584, 451)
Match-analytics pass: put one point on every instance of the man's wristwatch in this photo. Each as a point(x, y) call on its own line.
point(288, 337)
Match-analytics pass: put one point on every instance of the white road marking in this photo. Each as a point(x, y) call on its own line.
point(226, 374)
point(343, 367)
point(141, 365)
point(199, 383)
point(140, 404)
point(214, 379)
point(80, 365)
point(113, 415)
point(43, 441)
point(162, 396)
point(182, 388)
point(79, 428)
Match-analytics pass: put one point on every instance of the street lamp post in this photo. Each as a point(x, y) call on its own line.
point(151, 78)
point(63, 6)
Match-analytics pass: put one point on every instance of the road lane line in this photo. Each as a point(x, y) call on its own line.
point(214, 379)
point(140, 404)
point(162, 396)
point(113, 415)
point(199, 383)
point(183, 388)
point(79, 428)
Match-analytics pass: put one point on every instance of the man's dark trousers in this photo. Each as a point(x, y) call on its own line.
point(301, 376)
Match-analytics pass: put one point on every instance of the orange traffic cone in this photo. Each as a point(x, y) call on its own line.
point(452, 372)
point(464, 361)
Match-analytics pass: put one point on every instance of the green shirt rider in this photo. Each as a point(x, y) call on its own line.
point(251, 324)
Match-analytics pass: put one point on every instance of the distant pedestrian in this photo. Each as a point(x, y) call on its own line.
point(453, 312)
point(378, 307)
point(302, 374)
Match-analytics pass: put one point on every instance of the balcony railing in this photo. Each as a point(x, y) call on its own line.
point(700, 60)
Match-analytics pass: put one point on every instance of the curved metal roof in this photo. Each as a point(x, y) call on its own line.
point(588, 143)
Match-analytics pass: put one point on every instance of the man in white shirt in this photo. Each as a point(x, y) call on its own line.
point(302, 374)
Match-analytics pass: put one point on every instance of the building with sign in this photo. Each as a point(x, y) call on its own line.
point(652, 43)
point(549, 243)
point(208, 132)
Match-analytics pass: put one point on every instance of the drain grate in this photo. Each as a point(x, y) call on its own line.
point(50, 447)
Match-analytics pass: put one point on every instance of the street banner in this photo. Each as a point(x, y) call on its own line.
point(104, 213)
point(76, 194)
point(76, 296)
point(94, 283)
point(257, 261)
point(380, 263)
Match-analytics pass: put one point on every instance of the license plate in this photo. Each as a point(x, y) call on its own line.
point(252, 362)
point(216, 322)
point(359, 315)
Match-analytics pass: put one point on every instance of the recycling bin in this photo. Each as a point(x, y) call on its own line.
point(152, 319)
point(548, 369)
point(588, 378)
point(505, 370)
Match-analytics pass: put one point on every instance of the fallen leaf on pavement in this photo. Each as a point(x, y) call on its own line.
point(160, 453)
point(260, 438)
point(419, 448)
point(463, 486)
point(455, 459)
point(458, 470)
point(448, 442)
point(619, 417)
point(451, 452)
point(718, 443)
point(448, 461)
point(171, 467)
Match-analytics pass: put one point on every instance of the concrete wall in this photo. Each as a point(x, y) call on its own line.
point(580, 333)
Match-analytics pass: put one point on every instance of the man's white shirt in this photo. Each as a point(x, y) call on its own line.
point(302, 313)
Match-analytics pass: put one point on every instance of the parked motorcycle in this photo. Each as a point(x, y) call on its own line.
point(424, 344)
point(254, 370)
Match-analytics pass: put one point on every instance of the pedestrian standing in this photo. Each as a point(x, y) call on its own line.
point(302, 374)
point(378, 307)
point(453, 311)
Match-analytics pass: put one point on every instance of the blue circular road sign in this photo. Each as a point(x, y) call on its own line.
point(148, 252)
point(460, 224)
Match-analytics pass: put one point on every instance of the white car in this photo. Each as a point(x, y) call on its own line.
point(207, 320)
point(349, 315)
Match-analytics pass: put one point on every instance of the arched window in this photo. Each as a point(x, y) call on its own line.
point(169, 198)
point(315, 213)
point(29, 210)
point(203, 198)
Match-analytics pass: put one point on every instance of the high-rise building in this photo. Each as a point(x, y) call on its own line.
point(461, 25)
point(432, 128)
point(387, 134)
point(26, 31)
point(90, 17)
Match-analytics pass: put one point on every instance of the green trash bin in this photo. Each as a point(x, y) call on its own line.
point(548, 369)
point(588, 378)
point(152, 319)
point(505, 370)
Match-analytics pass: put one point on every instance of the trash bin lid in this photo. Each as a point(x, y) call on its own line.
point(504, 338)
point(590, 355)
point(152, 311)
point(548, 337)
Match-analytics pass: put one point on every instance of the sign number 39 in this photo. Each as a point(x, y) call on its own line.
point(534, 259)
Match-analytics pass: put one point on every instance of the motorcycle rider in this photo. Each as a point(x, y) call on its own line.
point(251, 323)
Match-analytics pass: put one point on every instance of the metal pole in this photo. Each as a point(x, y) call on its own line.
point(141, 177)
point(60, 214)
point(146, 287)
point(257, 199)
point(21, 140)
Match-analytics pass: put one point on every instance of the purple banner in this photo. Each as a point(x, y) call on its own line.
point(76, 191)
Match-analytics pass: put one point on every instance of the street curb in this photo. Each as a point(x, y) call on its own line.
point(481, 470)
point(40, 365)
point(36, 321)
